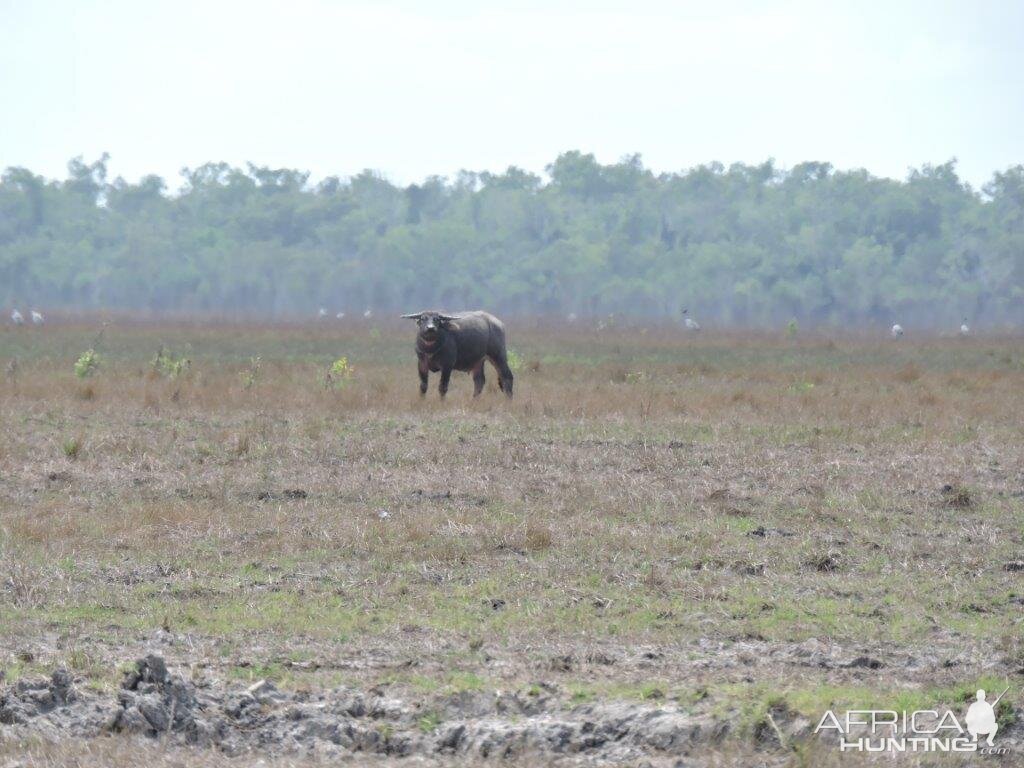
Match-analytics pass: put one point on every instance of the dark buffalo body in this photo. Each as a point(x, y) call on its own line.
point(461, 342)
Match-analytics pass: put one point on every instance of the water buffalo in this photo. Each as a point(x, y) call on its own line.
point(461, 342)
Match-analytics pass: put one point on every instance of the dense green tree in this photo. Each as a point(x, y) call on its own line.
point(747, 244)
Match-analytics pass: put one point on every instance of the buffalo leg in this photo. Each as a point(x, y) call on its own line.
point(505, 376)
point(446, 375)
point(478, 378)
point(424, 375)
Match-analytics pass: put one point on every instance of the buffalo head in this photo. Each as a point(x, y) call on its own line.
point(432, 323)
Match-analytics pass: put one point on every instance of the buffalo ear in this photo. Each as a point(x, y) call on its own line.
point(451, 325)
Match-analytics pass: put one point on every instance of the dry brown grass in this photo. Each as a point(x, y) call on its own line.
point(698, 498)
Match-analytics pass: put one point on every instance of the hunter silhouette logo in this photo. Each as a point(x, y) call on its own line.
point(981, 717)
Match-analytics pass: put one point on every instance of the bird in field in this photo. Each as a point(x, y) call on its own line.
point(37, 317)
point(897, 331)
point(965, 329)
point(689, 322)
point(368, 314)
point(340, 316)
point(16, 318)
point(321, 313)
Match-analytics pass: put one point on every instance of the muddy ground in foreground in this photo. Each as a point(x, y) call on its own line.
point(665, 548)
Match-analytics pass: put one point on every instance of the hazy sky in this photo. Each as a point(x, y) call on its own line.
point(419, 88)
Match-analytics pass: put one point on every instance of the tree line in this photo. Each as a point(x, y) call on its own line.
point(741, 245)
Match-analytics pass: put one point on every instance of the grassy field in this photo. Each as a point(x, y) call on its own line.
point(728, 522)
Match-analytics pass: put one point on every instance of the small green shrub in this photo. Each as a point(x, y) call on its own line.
point(792, 328)
point(515, 361)
point(339, 375)
point(169, 366)
point(87, 364)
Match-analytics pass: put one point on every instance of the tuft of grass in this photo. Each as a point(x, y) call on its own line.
point(908, 374)
point(72, 446)
point(251, 375)
point(538, 536)
point(652, 692)
point(828, 562)
point(429, 722)
point(956, 496)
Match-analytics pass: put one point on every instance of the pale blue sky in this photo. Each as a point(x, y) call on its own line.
point(413, 89)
